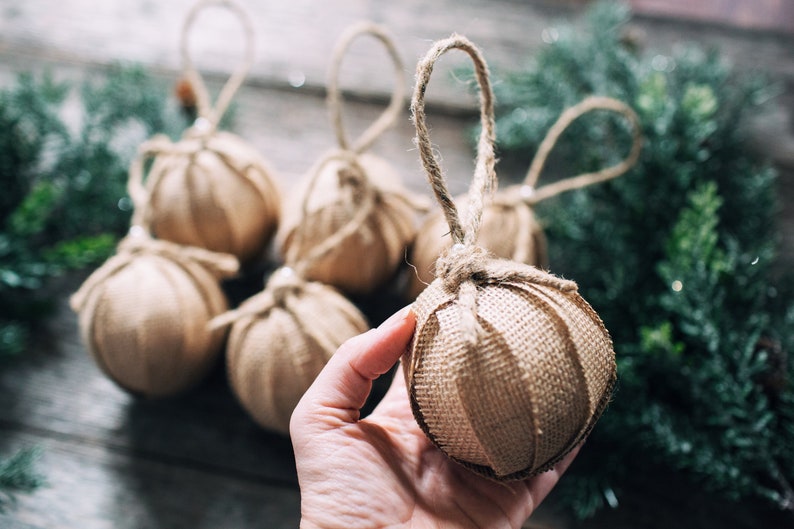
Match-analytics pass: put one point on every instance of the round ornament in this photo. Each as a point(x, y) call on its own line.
point(144, 314)
point(210, 189)
point(509, 368)
point(351, 217)
point(509, 227)
point(280, 340)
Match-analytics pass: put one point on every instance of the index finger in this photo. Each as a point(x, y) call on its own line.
point(342, 387)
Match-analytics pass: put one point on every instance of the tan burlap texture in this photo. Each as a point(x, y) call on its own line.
point(281, 339)
point(144, 314)
point(211, 189)
point(352, 200)
point(509, 367)
point(509, 227)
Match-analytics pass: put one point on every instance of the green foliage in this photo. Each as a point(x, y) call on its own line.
point(64, 202)
point(675, 256)
point(18, 475)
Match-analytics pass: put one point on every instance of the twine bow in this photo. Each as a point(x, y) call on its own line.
point(138, 243)
point(363, 198)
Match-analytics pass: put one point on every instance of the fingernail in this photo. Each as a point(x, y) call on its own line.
point(396, 318)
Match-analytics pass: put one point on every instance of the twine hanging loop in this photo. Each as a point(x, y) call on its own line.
point(484, 180)
point(209, 114)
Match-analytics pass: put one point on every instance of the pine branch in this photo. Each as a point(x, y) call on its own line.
point(17, 474)
point(675, 256)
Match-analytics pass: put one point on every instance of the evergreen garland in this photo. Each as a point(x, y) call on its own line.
point(64, 202)
point(17, 475)
point(676, 257)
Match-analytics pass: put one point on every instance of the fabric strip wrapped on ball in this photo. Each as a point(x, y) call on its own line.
point(509, 368)
point(210, 189)
point(352, 196)
point(509, 227)
point(280, 340)
point(144, 314)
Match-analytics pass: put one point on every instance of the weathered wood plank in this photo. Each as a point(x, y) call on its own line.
point(775, 15)
point(93, 486)
point(294, 40)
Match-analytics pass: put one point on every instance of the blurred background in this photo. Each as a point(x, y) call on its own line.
point(687, 257)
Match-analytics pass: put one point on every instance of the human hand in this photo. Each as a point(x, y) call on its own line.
point(382, 471)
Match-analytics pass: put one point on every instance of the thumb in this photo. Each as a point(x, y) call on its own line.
point(342, 387)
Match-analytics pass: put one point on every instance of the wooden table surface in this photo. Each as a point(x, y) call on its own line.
point(113, 461)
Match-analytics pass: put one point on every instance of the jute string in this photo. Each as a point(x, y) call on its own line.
point(484, 180)
point(197, 136)
point(334, 96)
point(283, 290)
point(352, 177)
point(213, 113)
point(589, 104)
point(515, 196)
point(138, 243)
point(288, 281)
point(161, 145)
point(363, 195)
point(465, 264)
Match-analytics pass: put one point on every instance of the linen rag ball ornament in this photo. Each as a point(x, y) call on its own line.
point(281, 339)
point(509, 228)
point(354, 198)
point(509, 368)
point(210, 189)
point(144, 314)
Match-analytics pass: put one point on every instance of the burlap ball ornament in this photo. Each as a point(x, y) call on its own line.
point(354, 199)
point(210, 189)
point(509, 367)
point(144, 314)
point(509, 227)
point(280, 340)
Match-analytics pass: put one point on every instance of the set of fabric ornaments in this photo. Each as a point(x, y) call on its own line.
point(509, 367)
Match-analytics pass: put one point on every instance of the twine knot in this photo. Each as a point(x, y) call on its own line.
point(202, 129)
point(461, 263)
point(351, 175)
point(283, 283)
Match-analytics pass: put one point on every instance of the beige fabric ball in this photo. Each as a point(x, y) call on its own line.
point(213, 192)
point(145, 322)
point(509, 368)
point(277, 350)
point(509, 230)
point(372, 201)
